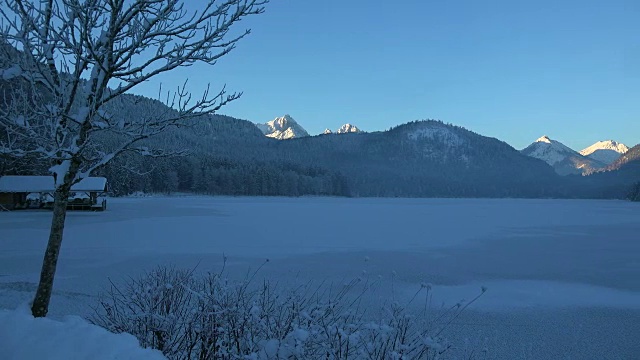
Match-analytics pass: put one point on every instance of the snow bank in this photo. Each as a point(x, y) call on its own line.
point(25, 337)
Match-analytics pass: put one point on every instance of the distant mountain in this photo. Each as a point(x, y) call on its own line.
point(327, 131)
point(282, 128)
point(348, 128)
point(549, 151)
point(563, 159)
point(605, 152)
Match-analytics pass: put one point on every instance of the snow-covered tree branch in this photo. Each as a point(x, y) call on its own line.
point(77, 56)
point(65, 64)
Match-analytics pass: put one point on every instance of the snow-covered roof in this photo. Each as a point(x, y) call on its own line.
point(29, 184)
point(91, 184)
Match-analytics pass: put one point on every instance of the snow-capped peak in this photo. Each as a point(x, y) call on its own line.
point(327, 131)
point(348, 128)
point(606, 151)
point(282, 123)
point(284, 127)
point(544, 139)
point(551, 151)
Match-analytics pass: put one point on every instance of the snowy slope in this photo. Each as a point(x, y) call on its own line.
point(562, 158)
point(606, 151)
point(281, 128)
point(24, 337)
point(446, 135)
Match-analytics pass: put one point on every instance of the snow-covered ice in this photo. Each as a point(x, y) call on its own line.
point(562, 275)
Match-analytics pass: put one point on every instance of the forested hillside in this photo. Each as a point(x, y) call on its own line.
point(213, 154)
point(426, 159)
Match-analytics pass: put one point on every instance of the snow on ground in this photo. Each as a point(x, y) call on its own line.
point(562, 274)
point(23, 337)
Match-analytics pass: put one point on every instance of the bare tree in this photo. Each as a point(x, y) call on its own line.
point(76, 57)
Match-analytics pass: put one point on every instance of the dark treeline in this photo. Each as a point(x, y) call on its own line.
point(216, 176)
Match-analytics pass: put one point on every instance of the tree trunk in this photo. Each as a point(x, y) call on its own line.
point(40, 305)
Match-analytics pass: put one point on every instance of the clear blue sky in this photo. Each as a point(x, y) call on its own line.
point(515, 70)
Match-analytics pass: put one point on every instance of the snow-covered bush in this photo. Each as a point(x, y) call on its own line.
point(212, 317)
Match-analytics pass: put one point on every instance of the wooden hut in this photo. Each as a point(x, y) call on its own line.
point(24, 192)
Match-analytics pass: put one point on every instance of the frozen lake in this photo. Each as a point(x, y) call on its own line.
point(563, 275)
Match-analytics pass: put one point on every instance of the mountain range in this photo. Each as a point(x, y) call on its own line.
point(566, 161)
point(425, 158)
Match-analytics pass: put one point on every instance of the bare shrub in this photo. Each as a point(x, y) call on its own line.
point(212, 317)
